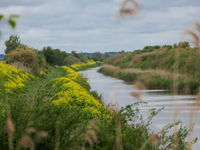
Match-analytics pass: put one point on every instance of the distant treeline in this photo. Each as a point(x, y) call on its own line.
point(95, 53)
point(33, 60)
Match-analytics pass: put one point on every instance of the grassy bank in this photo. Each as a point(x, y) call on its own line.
point(154, 79)
point(168, 67)
point(181, 60)
point(58, 111)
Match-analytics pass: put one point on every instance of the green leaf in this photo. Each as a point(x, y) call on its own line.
point(11, 20)
point(13, 16)
point(12, 23)
point(1, 17)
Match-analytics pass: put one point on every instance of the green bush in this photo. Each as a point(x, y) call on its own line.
point(54, 56)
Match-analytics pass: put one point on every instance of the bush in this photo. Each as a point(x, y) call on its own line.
point(72, 60)
point(54, 56)
point(27, 57)
point(83, 66)
point(70, 73)
point(183, 44)
point(12, 78)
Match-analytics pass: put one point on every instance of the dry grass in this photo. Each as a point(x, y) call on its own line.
point(20, 66)
point(139, 85)
point(27, 142)
point(154, 139)
point(193, 114)
point(151, 71)
point(128, 7)
point(90, 134)
point(136, 95)
point(195, 35)
point(10, 127)
point(10, 130)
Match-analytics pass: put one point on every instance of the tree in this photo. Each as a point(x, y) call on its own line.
point(80, 56)
point(75, 54)
point(48, 53)
point(12, 43)
point(184, 44)
point(54, 56)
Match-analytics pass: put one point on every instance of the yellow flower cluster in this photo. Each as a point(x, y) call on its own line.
point(68, 91)
point(73, 75)
point(82, 66)
point(11, 78)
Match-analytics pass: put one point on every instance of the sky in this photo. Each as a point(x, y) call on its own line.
point(94, 25)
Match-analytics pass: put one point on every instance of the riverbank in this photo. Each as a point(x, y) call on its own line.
point(36, 107)
point(154, 79)
point(176, 107)
point(172, 67)
point(58, 110)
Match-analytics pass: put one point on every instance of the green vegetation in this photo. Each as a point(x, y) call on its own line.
point(165, 67)
point(154, 80)
point(48, 105)
point(12, 43)
point(98, 56)
point(12, 78)
point(54, 56)
point(58, 111)
point(80, 56)
point(83, 66)
point(36, 62)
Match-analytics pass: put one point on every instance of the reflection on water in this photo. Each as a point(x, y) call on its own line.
point(118, 92)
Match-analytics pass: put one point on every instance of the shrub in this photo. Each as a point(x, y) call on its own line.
point(73, 75)
point(27, 57)
point(183, 44)
point(72, 60)
point(12, 78)
point(83, 66)
point(66, 91)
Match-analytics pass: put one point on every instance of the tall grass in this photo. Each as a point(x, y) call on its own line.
point(32, 121)
point(154, 79)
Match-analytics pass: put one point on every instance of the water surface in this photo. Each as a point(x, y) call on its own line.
point(118, 92)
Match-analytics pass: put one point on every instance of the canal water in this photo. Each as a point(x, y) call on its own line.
point(176, 107)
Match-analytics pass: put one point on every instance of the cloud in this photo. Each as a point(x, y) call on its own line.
point(91, 25)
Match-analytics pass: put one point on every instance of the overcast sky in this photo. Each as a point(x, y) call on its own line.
point(92, 25)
